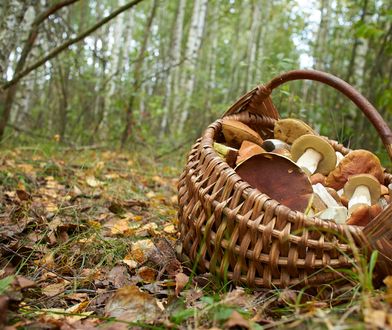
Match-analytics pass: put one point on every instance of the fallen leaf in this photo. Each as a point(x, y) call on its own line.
point(141, 249)
point(93, 182)
point(181, 282)
point(111, 176)
point(147, 274)
point(149, 229)
point(119, 276)
point(52, 290)
point(375, 318)
point(150, 194)
point(131, 304)
point(23, 195)
point(23, 283)
point(132, 264)
point(169, 229)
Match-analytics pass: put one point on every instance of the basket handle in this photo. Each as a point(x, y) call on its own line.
point(358, 99)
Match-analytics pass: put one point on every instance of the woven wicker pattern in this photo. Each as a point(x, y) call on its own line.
point(240, 234)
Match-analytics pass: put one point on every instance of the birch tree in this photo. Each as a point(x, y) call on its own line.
point(172, 85)
point(192, 49)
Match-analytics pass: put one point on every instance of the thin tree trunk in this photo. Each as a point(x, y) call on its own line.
point(252, 44)
point(193, 46)
point(137, 78)
point(175, 57)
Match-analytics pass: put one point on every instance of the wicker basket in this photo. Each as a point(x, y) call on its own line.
point(240, 234)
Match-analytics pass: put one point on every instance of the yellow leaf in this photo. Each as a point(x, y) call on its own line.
point(169, 229)
point(93, 182)
point(150, 194)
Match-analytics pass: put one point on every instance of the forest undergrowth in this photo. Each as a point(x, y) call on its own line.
point(88, 239)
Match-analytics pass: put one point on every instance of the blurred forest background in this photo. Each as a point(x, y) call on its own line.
point(155, 73)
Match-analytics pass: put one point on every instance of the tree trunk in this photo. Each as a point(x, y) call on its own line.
point(191, 56)
point(175, 57)
point(137, 78)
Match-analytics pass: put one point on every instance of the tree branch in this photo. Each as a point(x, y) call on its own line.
point(34, 33)
point(68, 43)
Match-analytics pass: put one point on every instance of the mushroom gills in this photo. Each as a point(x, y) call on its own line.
point(309, 160)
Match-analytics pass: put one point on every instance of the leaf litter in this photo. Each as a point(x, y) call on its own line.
point(89, 240)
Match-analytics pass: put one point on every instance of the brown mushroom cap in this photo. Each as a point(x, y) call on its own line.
point(235, 132)
point(364, 214)
point(328, 161)
point(367, 180)
point(279, 178)
point(248, 149)
point(290, 129)
point(355, 162)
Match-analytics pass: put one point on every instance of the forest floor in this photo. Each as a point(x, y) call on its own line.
point(88, 239)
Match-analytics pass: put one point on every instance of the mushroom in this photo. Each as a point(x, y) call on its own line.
point(235, 132)
point(313, 153)
point(334, 195)
point(279, 178)
point(336, 213)
point(363, 214)
point(290, 129)
point(273, 144)
point(248, 149)
point(361, 189)
point(227, 153)
point(282, 152)
point(355, 162)
point(317, 178)
point(339, 157)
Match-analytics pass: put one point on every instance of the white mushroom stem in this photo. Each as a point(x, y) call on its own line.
point(325, 196)
point(361, 196)
point(309, 160)
point(339, 157)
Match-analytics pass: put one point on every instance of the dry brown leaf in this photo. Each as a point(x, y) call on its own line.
point(149, 229)
point(147, 274)
point(23, 282)
point(132, 264)
point(52, 290)
point(141, 249)
point(26, 168)
point(181, 282)
point(131, 304)
point(76, 296)
point(23, 195)
point(119, 276)
point(375, 318)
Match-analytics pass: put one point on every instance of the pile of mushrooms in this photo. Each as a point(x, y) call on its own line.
point(301, 170)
